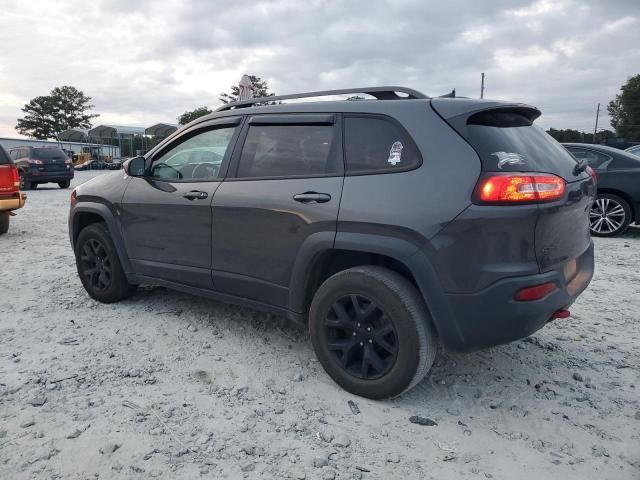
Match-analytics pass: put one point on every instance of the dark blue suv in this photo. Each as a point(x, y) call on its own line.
point(388, 225)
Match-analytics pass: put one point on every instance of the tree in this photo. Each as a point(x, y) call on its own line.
point(48, 115)
point(574, 136)
point(624, 110)
point(259, 88)
point(188, 117)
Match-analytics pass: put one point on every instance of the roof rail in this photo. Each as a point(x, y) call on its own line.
point(381, 93)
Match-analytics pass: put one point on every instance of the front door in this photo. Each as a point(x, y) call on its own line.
point(284, 185)
point(166, 215)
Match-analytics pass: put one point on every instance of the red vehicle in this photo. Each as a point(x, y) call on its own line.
point(10, 196)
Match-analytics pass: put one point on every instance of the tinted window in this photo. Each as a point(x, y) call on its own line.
point(287, 150)
point(4, 158)
point(634, 150)
point(508, 141)
point(596, 160)
point(377, 145)
point(197, 157)
point(48, 154)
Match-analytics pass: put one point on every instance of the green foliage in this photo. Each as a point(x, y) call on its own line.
point(624, 110)
point(48, 115)
point(574, 136)
point(188, 117)
point(260, 89)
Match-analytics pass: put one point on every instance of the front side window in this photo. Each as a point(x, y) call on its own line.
point(197, 158)
point(287, 150)
point(377, 145)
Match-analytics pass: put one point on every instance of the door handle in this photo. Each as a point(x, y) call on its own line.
point(195, 195)
point(312, 197)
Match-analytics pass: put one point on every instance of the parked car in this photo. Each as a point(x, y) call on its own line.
point(93, 164)
point(38, 165)
point(115, 164)
point(617, 204)
point(635, 150)
point(387, 226)
point(10, 196)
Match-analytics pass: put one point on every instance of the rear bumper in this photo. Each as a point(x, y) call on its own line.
point(492, 316)
point(59, 176)
point(13, 203)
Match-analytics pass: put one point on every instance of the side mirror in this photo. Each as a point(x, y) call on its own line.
point(134, 167)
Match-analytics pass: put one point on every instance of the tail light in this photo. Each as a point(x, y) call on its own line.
point(529, 294)
point(593, 174)
point(16, 177)
point(68, 161)
point(519, 188)
point(9, 180)
point(34, 161)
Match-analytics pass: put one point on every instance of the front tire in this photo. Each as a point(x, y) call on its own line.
point(64, 184)
point(610, 215)
point(371, 332)
point(4, 222)
point(99, 266)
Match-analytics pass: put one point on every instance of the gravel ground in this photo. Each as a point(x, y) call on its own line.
point(173, 386)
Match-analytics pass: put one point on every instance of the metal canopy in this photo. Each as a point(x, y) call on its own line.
point(161, 129)
point(380, 93)
point(73, 135)
point(114, 131)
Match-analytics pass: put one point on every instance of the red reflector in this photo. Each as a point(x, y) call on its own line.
point(536, 292)
point(535, 187)
point(593, 174)
point(564, 313)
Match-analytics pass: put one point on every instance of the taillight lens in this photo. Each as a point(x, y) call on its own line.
point(15, 175)
point(519, 188)
point(34, 161)
point(593, 174)
point(68, 161)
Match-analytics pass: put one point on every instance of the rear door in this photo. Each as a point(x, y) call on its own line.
point(283, 190)
point(166, 215)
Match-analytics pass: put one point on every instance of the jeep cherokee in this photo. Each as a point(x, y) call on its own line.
point(390, 225)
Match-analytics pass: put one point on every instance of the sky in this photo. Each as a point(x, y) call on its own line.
point(145, 62)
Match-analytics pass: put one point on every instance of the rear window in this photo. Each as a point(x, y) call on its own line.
point(510, 142)
point(597, 160)
point(47, 154)
point(4, 157)
point(377, 145)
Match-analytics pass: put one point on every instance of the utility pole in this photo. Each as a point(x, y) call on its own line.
point(595, 130)
point(482, 85)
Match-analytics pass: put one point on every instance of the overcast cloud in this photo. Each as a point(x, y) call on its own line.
point(148, 61)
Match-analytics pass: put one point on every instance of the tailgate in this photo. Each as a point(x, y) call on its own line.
point(562, 231)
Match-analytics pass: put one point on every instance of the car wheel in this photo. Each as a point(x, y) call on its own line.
point(4, 222)
point(610, 215)
point(64, 184)
point(371, 332)
point(99, 266)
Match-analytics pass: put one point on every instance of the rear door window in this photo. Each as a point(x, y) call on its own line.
point(597, 160)
point(294, 150)
point(377, 145)
point(508, 141)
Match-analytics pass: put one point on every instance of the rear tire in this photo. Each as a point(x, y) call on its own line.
point(610, 215)
point(4, 222)
point(26, 184)
point(99, 265)
point(64, 184)
point(349, 336)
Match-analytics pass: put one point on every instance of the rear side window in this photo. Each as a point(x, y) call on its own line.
point(596, 160)
point(288, 150)
point(48, 154)
point(4, 158)
point(374, 144)
point(509, 141)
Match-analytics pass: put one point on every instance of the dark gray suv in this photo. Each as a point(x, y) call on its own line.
point(389, 226)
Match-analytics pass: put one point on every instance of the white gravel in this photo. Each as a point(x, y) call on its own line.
point(173, 386)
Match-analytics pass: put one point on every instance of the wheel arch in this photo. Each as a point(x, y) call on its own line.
point(88, 213)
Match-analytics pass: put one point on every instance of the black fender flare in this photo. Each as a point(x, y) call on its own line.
point(402, 250)
point(108, 216)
